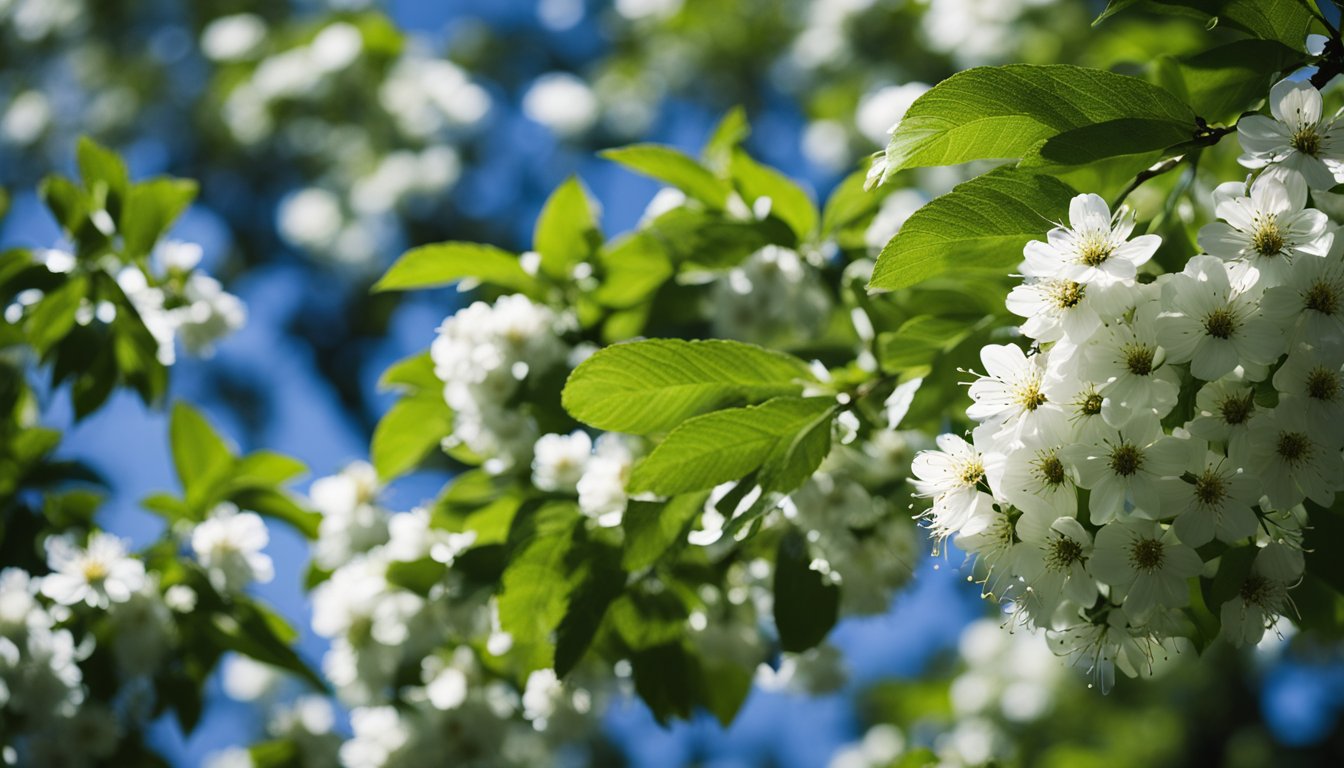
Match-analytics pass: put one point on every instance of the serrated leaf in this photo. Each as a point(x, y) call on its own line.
point(1009, 112)
point(409, 431)
point(793, 461)
point(415, 373)
point(536, 583)
point(1223, 82)
point(983, 223)
point(650, 386)
point(654, 527)
point(200, 455)
point(433, 266)
point(567, 232)
point(806, 606)
point(725, 445)
point(1286, 21)
point(151, 208)
point(788, 202)
point(672, 167)
point(600, 581)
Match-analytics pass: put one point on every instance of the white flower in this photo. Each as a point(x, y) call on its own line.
point(1055, 309)
point(602, 486)
point(774, 297)
point(351, 520)
point(228, 546)
point(1053, 566)
point(246, 679)
point(209, 314)
point(1104, 647)
point(1216, 505)
point(99, 575)
point(1211, 324)
point(1223, 412)
point(1262, 597)
point(143, 632)
point(1145, 565)
point(1290, 460)
point(1129, 363)
point(1268, 229)
point(1094, 249)
point(558, 460)
point(1126, 466)
point(1037, 480)
point(952, 476)
point(1305, 381)
point(1297, 138)
point(1009, 398)
point(18, 603)
point(1310, 303)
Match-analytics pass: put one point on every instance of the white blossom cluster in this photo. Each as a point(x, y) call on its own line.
point(284, 96)
point(1157, 421)
point(407, 664)
point(773, 298)
point(47, 714)
point(100, 605)
point(484, 355)
point(595, 470)
point(179, 303)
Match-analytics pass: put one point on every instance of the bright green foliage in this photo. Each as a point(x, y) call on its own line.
point(981, 224)
point(436, 265)
point(672, 167)
point(567, 233)
point(1046, 115)
point(651, 386)
point(786, 438)
point(414, 426)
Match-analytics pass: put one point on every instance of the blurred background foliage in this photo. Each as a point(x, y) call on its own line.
point(328, 137)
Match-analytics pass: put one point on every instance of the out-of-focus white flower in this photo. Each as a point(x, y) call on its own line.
point(558, 461)
point(311, 218)
point(562, 102)
point(351, 520)
point(230, 38)
point(879, 111)
point(26, 118)
point(99, 574)
point(246, 679)
point(602, 486)
point(228, 544)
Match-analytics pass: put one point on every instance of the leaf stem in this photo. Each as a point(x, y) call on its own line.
point(1157, 170)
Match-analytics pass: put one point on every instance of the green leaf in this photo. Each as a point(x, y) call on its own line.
point(1326, 531)
point(793, 461)
point(567, 232)
point(103, 172)
point(600, 582)
point(672, 167)
point(708, 240)
point(266, 468)
point(649, 615)
point(654, 527)
point(650, 386)
point(536, 583)
point(418, 576)
point(67, 202)
point(408, 432)
point(151, 208)
point(432, 266)
point(664, 678)
point(731, 131)
point(415, 373)
point(200, 455)
point(849, 204)
point(253, 630)
point(919, 341)
point(1223, 82)
point(278, 505)
point(726, 445)
point(274, 753)
point(1009, 112)
point(983, 223)
point(633, 269)
point(806, 606)
point(54, 315)
point(167, 506)
point(1286, 21)
point(724, 684)
point(788, 202)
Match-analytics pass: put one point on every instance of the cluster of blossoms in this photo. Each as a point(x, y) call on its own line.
point(179, 303)
point(81, 647)
point(418, 669)
point(1159, 422)
point(485, 356)
point(286, 97)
